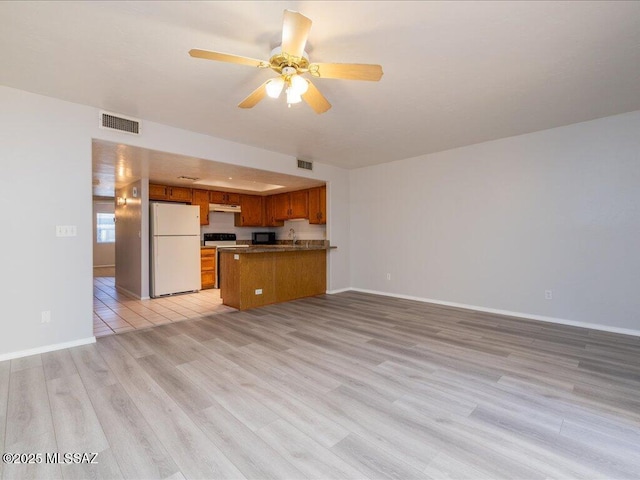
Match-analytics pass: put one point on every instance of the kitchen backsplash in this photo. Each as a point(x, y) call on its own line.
point(223, 222)
point(304, 230)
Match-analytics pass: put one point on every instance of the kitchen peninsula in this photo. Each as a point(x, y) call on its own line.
point(261, 275)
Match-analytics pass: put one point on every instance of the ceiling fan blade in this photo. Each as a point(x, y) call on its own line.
point(295, 30)
point(254, 97)
point(226, 57)
point(346, 71)
point(315, 99)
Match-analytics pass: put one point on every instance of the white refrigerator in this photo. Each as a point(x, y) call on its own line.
point(175, 248)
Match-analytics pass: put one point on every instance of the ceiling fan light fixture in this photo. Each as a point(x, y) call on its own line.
point(299, 84)
point(274, 87)
point(293, 96)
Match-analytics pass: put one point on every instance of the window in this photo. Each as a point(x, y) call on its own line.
point(106, 227)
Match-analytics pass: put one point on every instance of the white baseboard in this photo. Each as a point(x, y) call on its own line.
point(128, 293)
point(528, 316)
point(47, 348)
point(340, 290)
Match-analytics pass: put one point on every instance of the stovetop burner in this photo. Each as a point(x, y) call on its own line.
point(219, 239)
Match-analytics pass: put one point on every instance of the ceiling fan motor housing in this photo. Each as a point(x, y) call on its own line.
point(289, 70)
point(280, 60)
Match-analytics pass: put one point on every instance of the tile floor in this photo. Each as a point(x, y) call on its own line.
point(114, 312)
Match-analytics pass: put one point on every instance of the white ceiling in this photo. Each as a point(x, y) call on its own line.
point(455, 73)
point(116, 165)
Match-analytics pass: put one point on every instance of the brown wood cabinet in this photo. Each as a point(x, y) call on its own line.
point(270, 213)
point(291, 205)
point(281, 206)
point(158, 192)
point(252, 212)
point(170, 193)
point(224, 198)
point(251, 280)
point(256, 211)
point(208, 267)
point(318, 205)
point(201, 198)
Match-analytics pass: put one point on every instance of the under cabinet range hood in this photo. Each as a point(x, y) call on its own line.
point(219, 207)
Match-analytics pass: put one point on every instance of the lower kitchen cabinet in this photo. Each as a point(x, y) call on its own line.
point(251, 279)
point(208, 267)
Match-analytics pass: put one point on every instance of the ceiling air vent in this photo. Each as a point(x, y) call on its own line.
point(305, 165)
point(114, 121)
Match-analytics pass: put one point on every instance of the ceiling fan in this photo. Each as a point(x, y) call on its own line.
point(290, 62)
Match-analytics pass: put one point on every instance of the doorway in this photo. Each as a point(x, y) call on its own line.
point(117, 312)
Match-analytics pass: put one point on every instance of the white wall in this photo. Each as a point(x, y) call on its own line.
point(45, 146)
point(496, 224)
point(224, 222)
point(104, 254)
point(46, 181)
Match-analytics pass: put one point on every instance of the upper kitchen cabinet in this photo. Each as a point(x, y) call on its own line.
point(158, 192)
point(318, 205)
point(201, 198)
point(169, 193)
point(270, 212)
point(251, 211)
point(291, 205)
point(224, 198)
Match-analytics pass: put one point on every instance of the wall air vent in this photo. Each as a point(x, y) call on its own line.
point(305, 165)
point(114, 121)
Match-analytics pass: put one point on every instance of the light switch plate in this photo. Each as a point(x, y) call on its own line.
point(66, 230)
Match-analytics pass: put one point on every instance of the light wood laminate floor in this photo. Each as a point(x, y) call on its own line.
point(343, 386)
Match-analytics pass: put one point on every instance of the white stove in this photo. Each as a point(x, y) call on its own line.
point(220, 241)
point(213, 243)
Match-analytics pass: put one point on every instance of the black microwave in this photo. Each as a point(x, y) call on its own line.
point(263, 238)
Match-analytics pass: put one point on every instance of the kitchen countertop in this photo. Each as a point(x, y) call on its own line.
point(276, 248)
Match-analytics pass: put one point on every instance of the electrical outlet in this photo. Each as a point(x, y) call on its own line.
point(258, 291)
point(46, 316)
point(548, 294)
point(388, 276)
